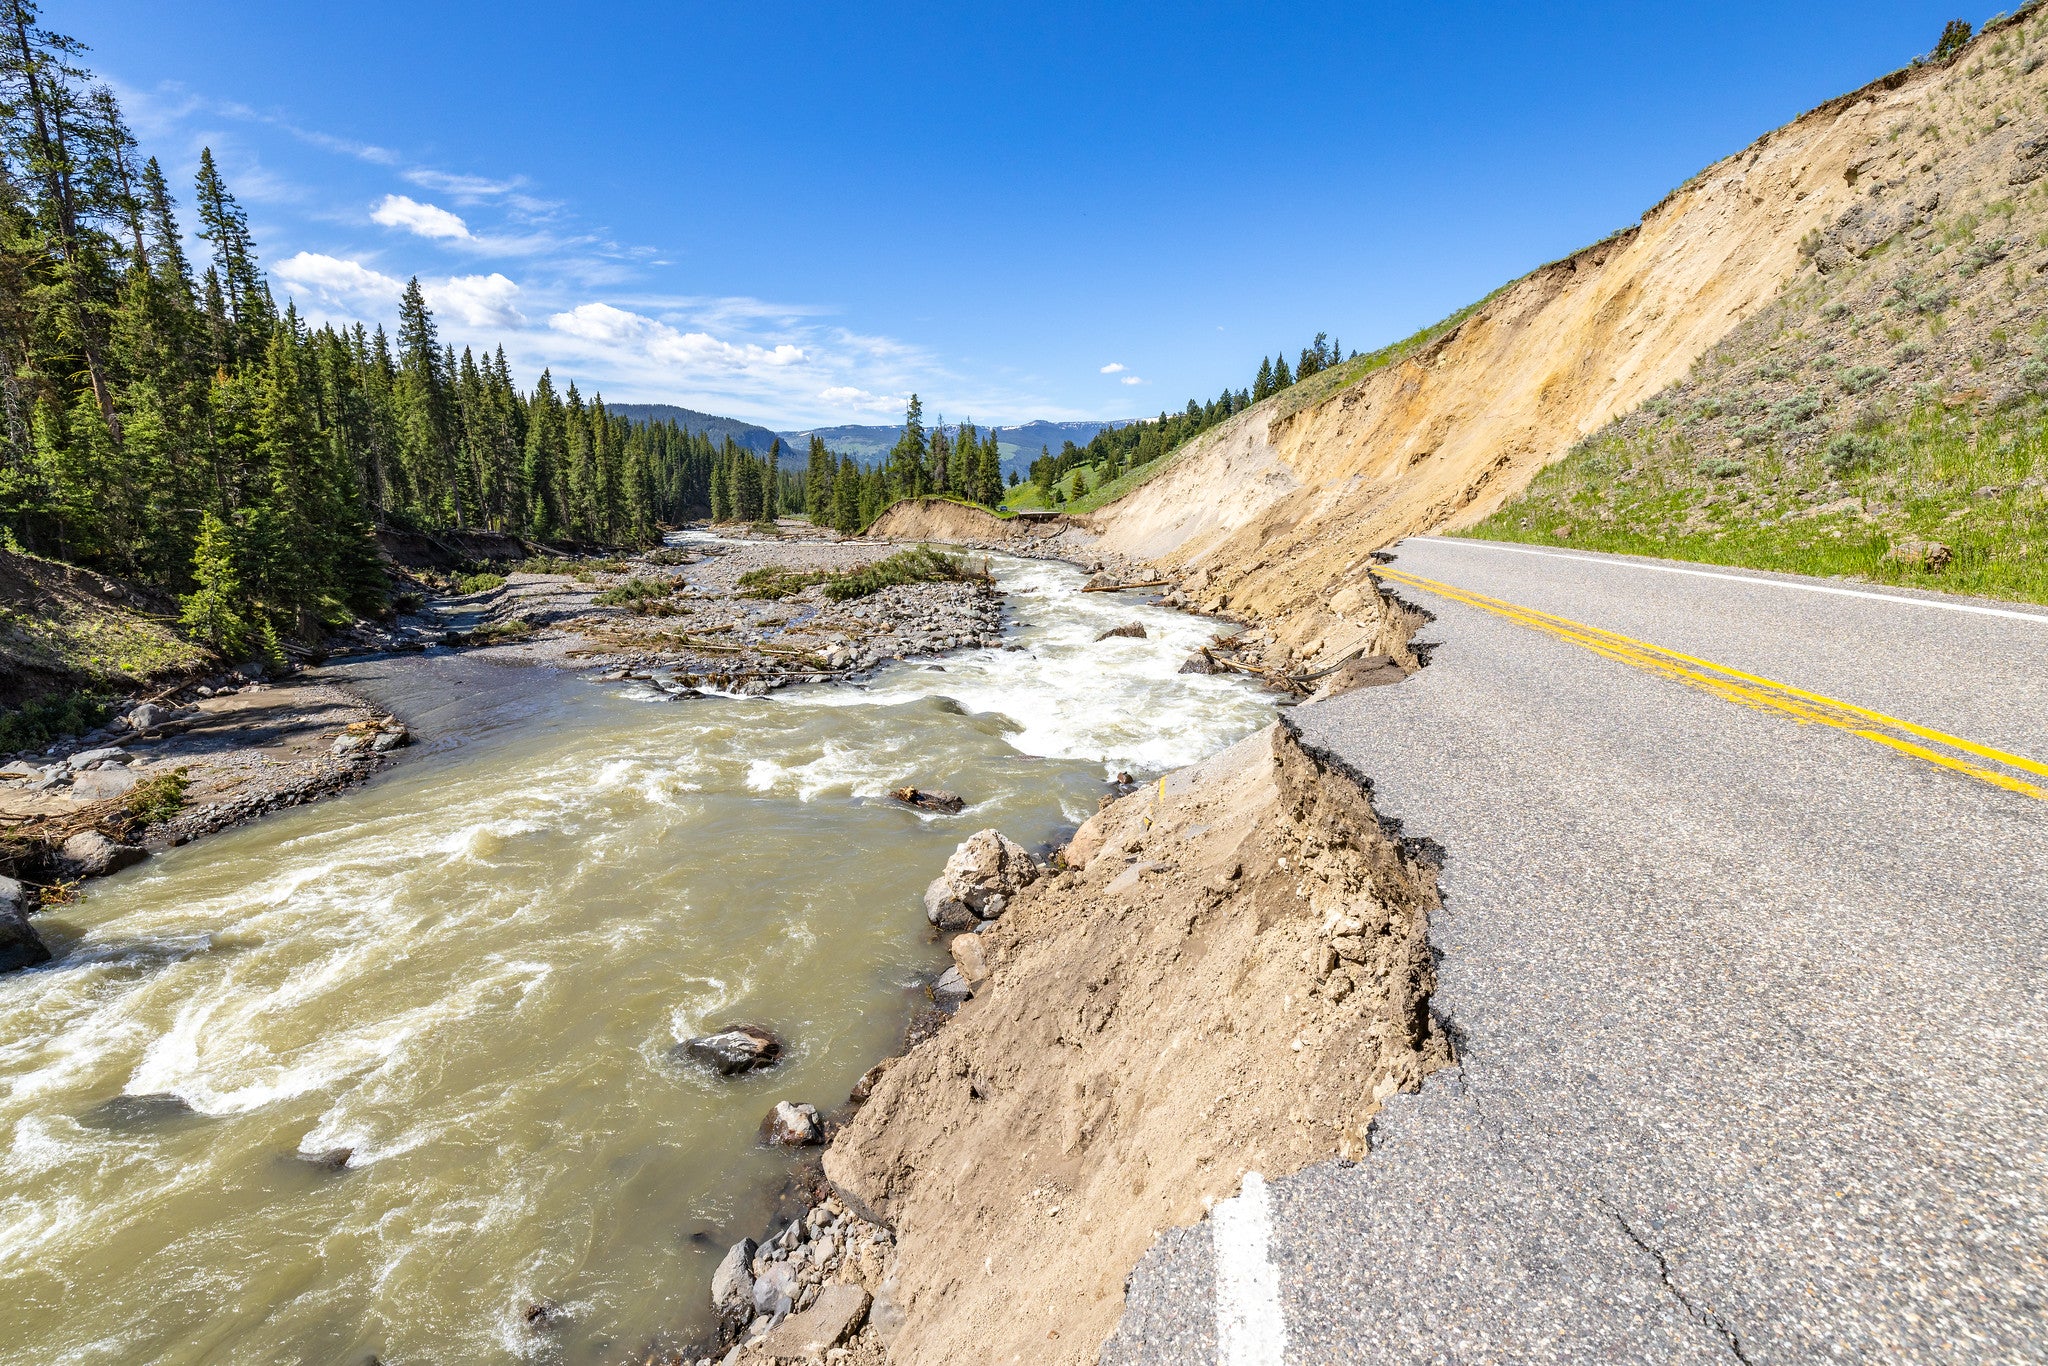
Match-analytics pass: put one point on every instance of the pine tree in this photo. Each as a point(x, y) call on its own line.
point(1262, 387)
point(245, 298)
point(212, 613)
point(1281, 379)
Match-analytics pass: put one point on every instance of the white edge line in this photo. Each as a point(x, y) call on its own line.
point(1630, 563)
point(1251, 1327)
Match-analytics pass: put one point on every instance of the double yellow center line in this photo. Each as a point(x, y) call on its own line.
point(1952, 752)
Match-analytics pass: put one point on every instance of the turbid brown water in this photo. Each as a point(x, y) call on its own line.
point(471, 975)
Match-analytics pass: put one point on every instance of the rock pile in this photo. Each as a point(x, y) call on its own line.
point(806, 1289)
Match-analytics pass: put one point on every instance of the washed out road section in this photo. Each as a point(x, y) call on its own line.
point(1750, 1013)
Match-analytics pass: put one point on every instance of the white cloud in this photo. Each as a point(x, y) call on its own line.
point(424, 220)
point(1115, 367)
point(339, 282)
point(1130, 379)
point(476, 300)
point(619, 331)
point(847, 396)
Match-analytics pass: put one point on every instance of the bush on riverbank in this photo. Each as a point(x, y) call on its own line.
point(920, 565)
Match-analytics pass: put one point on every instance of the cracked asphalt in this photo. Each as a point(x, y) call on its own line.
point(1750, 1013)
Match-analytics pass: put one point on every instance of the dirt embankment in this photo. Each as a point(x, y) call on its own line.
point(1271, 513)
point(1233, 976)
point(1039, 536)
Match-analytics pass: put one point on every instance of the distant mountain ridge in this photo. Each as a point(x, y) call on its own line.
point(746, 435)
point(1020, 444)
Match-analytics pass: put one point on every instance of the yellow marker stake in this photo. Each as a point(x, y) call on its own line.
point(1750, 690)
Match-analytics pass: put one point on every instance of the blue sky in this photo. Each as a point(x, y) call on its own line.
point(797, 214)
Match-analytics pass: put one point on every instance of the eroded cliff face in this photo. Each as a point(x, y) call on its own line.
point(1275, 511)
point(1233, 977)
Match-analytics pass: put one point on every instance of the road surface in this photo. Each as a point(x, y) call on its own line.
point(1745, 910)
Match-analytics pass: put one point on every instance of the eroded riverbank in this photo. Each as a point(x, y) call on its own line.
point(471, 975)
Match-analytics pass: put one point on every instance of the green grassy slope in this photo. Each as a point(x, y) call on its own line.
point(1887, 417)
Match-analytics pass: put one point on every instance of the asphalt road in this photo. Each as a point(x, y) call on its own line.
point(1752, 1011)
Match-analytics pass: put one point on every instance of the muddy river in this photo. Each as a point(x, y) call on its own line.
point(471, 975)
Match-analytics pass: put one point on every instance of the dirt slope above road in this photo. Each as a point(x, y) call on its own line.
point(1269, 513)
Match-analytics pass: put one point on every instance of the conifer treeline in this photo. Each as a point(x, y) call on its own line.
point(177, 428)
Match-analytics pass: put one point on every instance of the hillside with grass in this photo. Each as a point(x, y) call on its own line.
point(1886, 418)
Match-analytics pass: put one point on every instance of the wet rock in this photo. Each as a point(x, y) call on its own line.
point(91, 854)
point(834, 1316)
point(792, 1125)
point(333, 1160)
point(951, 991)
point(732, 1285)
point(541, 1316)
point(20, 945)
point(1134, 630)
point(392, 736)
point(349, 744)
point(742, 1048)
point(1199, 663)
point(978, 881)
point(138, 1112)
point(925, 799)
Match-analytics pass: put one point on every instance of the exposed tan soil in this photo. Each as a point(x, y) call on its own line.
point(1276, 510)
point(1231, 976)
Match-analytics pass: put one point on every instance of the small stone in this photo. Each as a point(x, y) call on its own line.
point(865, 1087)
point(349, 744)
point(970, 958)
point(388, 740)
point(1198, 663)
point(148, 717)
point(951, 991)
point(742, 1048)
point(1930, 556)
point(1349, 947)
point(792, 1125)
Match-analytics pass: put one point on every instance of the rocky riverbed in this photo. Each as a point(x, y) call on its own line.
point(689, 612)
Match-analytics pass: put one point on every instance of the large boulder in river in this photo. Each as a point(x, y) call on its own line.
point(986, 871)
point(91, 854)
point(20, 945)
point(1134, 630)
point(742, 1048)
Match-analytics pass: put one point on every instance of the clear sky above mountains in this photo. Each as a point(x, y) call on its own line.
point(798, 214)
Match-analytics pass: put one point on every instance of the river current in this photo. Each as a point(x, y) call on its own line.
point(472, 971)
